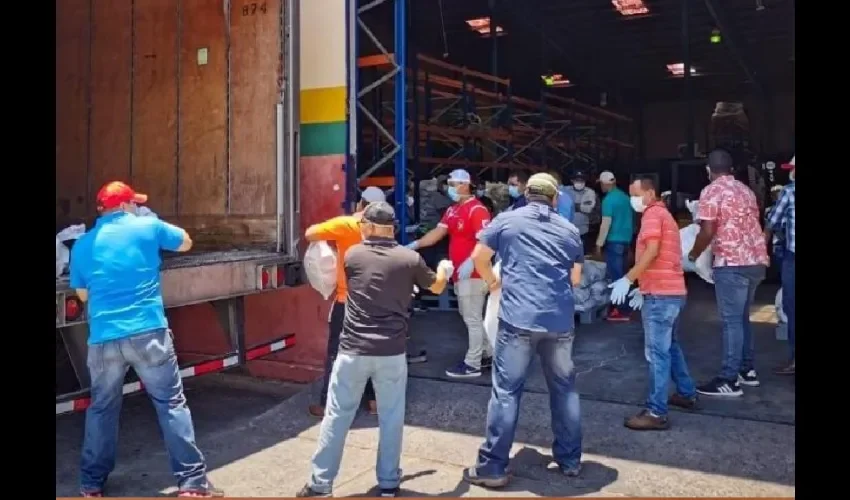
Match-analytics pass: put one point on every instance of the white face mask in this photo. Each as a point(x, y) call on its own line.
point(578, 185)
point(637, 203)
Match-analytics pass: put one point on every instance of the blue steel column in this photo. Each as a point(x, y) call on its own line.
point(400, 52)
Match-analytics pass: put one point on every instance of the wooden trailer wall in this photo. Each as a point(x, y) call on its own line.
point(176, 97)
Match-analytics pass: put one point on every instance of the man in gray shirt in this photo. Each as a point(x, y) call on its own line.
point(585, 202)
point(381, 275)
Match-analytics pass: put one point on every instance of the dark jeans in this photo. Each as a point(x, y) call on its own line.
point(660, 315)
point(735, 288)
point(515, 349)
point(615, 262)
point(334, 330)
point(788, 285)
point(152, 357)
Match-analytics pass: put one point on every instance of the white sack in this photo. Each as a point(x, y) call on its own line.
point(702, 266)
point(320, 263)
point(63, 255)
point(491, 313)
point(780, 312)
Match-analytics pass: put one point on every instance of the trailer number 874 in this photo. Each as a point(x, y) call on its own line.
point(252, 8)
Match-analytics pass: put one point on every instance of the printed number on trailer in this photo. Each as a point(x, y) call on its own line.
point(252, 9)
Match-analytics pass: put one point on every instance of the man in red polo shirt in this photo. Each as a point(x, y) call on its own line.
point(662, 295)
point(462, 223)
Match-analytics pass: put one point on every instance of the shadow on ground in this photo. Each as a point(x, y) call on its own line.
point(258, 437)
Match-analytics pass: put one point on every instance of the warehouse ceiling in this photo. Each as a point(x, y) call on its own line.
point(599, 49)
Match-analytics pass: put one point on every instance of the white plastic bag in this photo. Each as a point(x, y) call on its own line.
point(320, 263)
point(703, 265)
point(63, 255)
point(491, 314)
point(780, 312)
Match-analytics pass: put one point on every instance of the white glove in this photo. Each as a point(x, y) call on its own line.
point(636, 301)
point(619, 290)
point(447, 267)
point(464, 272)
point(413, 245)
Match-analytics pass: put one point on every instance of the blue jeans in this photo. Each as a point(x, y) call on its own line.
point(615, 262)
point(660, 315)
point(337, 314)
point(515, 348)
point(788, 285)
point(348, 380)
point(735, 288)
point(152, 357)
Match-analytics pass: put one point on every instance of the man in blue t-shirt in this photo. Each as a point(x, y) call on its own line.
point(615, 236)
point(541, 255)
point(115, 270)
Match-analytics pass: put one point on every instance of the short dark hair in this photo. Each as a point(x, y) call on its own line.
point(647, 183)
point(720, 161)
point(520, 174)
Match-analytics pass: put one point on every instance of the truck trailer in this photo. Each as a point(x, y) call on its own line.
point(194, 102)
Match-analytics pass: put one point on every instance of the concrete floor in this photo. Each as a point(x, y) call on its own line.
point(258, 438)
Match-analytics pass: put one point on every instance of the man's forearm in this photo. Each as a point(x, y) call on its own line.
point(642, 265)
point(485, 269)
point(431, 238)
point(603, 231)
point(702, 241)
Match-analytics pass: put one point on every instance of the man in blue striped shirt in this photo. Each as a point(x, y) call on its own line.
point(784, 217)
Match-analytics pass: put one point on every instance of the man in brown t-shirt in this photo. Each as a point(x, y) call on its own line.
point(381, 275)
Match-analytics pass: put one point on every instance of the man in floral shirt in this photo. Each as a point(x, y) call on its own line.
point(728, 215)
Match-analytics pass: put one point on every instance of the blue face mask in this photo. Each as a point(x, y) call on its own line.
point(513, 191)
point(480, 193)
point(452, 192)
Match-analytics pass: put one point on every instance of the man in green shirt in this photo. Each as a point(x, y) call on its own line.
point(615, 235)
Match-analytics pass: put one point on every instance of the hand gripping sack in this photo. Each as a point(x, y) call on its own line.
point(320, 263)
point(702, 266)
point(491, 314)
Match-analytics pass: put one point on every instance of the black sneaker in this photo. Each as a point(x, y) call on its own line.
point(486, 362)
point(307, 491)
point(749, 378)
point(388, 492)
point(721, 388)
point(413, 358)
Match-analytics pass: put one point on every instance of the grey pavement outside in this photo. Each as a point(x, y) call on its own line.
point(258, 437)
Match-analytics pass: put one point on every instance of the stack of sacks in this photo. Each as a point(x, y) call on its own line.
point(431, 203)
point(498, 192)
point(593, 289)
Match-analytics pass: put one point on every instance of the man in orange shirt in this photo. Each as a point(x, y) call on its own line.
point(662, 296)
point(344, 232)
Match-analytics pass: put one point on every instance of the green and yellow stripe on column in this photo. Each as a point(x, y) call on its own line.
point(323, 121)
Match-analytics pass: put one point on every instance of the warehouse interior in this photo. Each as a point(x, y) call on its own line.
point(580, 86)
point(572, 85)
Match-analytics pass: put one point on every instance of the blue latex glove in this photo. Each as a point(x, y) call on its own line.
point(414, 245)
point(464, 272)
point(636, 301)
point(619, 290)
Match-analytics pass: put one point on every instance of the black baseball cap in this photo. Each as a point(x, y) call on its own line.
point(380, 213)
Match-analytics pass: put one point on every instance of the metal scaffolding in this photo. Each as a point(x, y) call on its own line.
point(418, 117)
point(390, 136)
point(466, 118)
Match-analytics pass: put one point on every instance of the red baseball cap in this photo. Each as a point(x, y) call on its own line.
point(791, 164)
point(115, 193)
